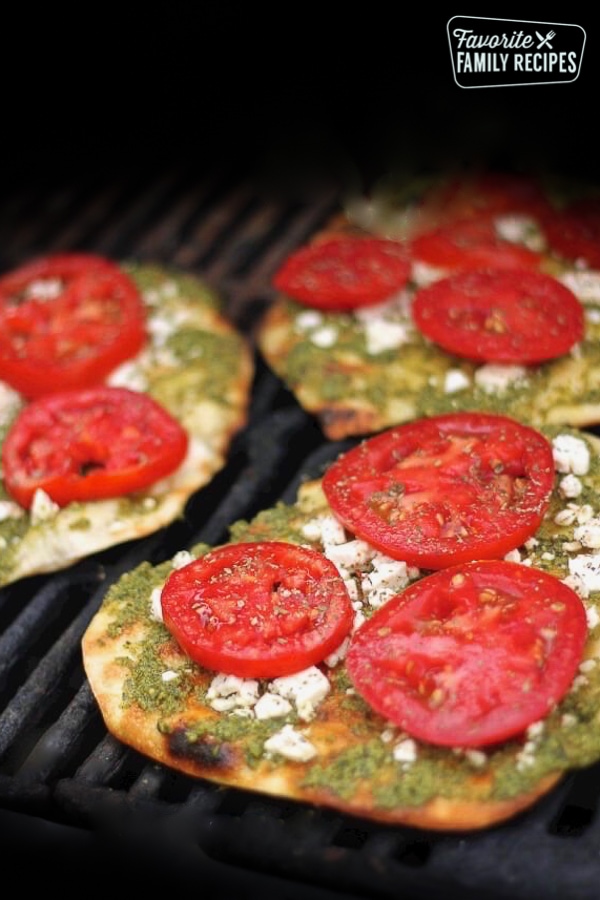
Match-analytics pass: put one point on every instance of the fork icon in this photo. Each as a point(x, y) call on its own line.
point(545, 40)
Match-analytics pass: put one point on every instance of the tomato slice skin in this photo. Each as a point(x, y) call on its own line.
point(471, 655)
point(515, 316)
point(344, 272)
point(471, 243)
point(258, 609)
point(66, 321)
point(90, 444)
point(444, 490)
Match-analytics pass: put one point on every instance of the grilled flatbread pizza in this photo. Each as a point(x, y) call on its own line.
point(413, 640)
point(344, 335)
point(122, 388)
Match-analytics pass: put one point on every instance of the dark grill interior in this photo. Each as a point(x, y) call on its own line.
point(71, 792)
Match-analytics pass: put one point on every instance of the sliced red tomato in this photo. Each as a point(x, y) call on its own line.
point(90, 444)
point(514, 316)
point(483, 194)
point(574, 232)
point(444, 490)
point(471, 655)
point(258, 610)
point(66, 321)
point(344, 272)
point(471, 243)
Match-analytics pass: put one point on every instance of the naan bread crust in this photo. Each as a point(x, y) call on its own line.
point(154, 699)
point(195, 364)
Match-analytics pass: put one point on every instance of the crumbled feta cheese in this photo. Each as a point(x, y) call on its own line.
point(156, 605)
point(387, 578)
point(512, 556)
point(519, 228)
point(571, 454)
point(306, 690)
point(495, 378)
point(290, 743)
point(584, 570)
point(326, 336)
point(477, 758)
point(333, 659)
point(592, 616)
point(128, 375)
point(181, 558)
point(169, 675)
point(10, 401)
point(42, 508)
point(325, 529)
point(271, 706)
point(382, 334)
point(10, 510)
point(584, 284)
point(455, 380)
point(570, 486)
point(405, 751)
point(588, 534)
point(44, 288)
point(308, 319)
point(228, 691)
point(351, 555)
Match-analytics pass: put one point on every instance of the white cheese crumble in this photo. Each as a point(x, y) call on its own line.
point(584, 571)
point(42, 508)
point(405, 751)
point(570, 486)
point(588, 534)
point(309, 319)
point(519, 228)
point(181, 559)
point(10, 510)
point(324, 337)
point(585, 285)
point(495, 378)
point(156, 612)
point(381, 335)
point(455, 380)
point(271, 706)
point(305, 689)
point(169, 675)
point(290, 743)
point(227, 692)
point(44, 288)
point(571, 454)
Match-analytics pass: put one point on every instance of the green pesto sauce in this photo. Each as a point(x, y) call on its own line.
point(415, 372)
point(217, 356)
point(149, 277)
point(232, 728)
point(145, 686)
point(279, 523)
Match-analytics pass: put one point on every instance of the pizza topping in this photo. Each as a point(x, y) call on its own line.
point(471, 244)
point(89, 445)
point(513, 316)
point(291, 744)
point(67, 321)
point(444, 490)
point(471, 655)
point(258, 610)
point(342, 273)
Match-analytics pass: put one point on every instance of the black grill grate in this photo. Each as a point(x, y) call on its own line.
point(67, 789)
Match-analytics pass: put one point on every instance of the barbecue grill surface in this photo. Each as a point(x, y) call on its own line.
point(72, 797)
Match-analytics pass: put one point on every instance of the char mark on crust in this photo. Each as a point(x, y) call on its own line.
point(339, 422)
point(205, 750)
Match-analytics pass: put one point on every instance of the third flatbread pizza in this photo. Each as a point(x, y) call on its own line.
point(505, 273)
